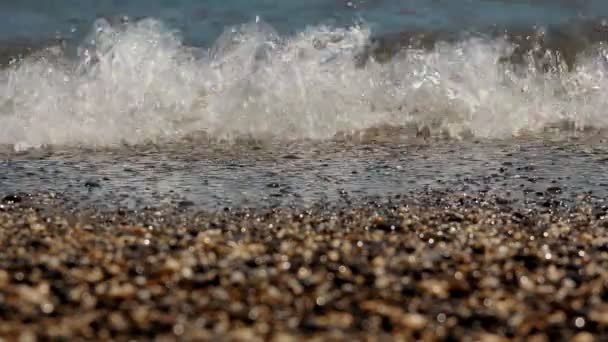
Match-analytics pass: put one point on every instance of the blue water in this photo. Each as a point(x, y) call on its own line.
point(200, 22)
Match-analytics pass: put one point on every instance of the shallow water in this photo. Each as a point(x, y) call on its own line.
point(533, 172)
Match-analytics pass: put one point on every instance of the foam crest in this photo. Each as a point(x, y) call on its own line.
point(136, 82)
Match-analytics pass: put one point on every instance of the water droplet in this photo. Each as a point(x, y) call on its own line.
point(441, 318)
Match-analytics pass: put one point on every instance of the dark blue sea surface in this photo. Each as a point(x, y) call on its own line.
point(201, 22)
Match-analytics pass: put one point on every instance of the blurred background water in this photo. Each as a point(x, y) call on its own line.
point(201, 22)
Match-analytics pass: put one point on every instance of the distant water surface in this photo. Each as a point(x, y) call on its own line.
point(202, 21)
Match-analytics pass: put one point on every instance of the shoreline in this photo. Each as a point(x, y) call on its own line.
point(443, 267)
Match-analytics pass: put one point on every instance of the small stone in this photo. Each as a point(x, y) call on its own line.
point(92, 183)
point(11, 199)
point(118, 321)
point(599, 316)
point(123, 291)
point(538, 338)
point(47, 308)
point(172, 265)
point(185, 204)
point(37, 227)
point(34, 295)
point(486, 337)
point(414, 321)
point(424, 132)
point(335, 319)
point(94, 275)
point(27, 336)
point(140, 315)
point(4, 279)
point(583, 337)
point(437, 288)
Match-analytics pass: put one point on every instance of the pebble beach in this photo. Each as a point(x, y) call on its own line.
point(348, 170)
point(435, 266)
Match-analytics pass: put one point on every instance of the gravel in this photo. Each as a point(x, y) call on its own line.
point(445, 266)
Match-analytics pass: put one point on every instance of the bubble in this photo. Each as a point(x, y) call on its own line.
point(441, 318)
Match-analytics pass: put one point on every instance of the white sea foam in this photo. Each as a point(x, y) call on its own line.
point(137, 82)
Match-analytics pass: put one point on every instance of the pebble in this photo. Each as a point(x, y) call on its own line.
point(4, 278)
point(491, 272)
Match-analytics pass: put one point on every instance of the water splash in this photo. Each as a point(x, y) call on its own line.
point(136, 82)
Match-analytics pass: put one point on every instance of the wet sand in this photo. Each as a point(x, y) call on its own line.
point(423, 266)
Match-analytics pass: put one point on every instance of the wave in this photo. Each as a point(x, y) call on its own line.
point(132, 82)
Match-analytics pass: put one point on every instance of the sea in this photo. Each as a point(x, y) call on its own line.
point(263, 103)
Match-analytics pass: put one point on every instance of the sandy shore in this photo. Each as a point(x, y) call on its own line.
point(444, 267)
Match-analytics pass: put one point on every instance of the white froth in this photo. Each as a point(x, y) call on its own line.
point(137, 83)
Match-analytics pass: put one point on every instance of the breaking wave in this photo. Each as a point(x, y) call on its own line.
point(136, 82)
